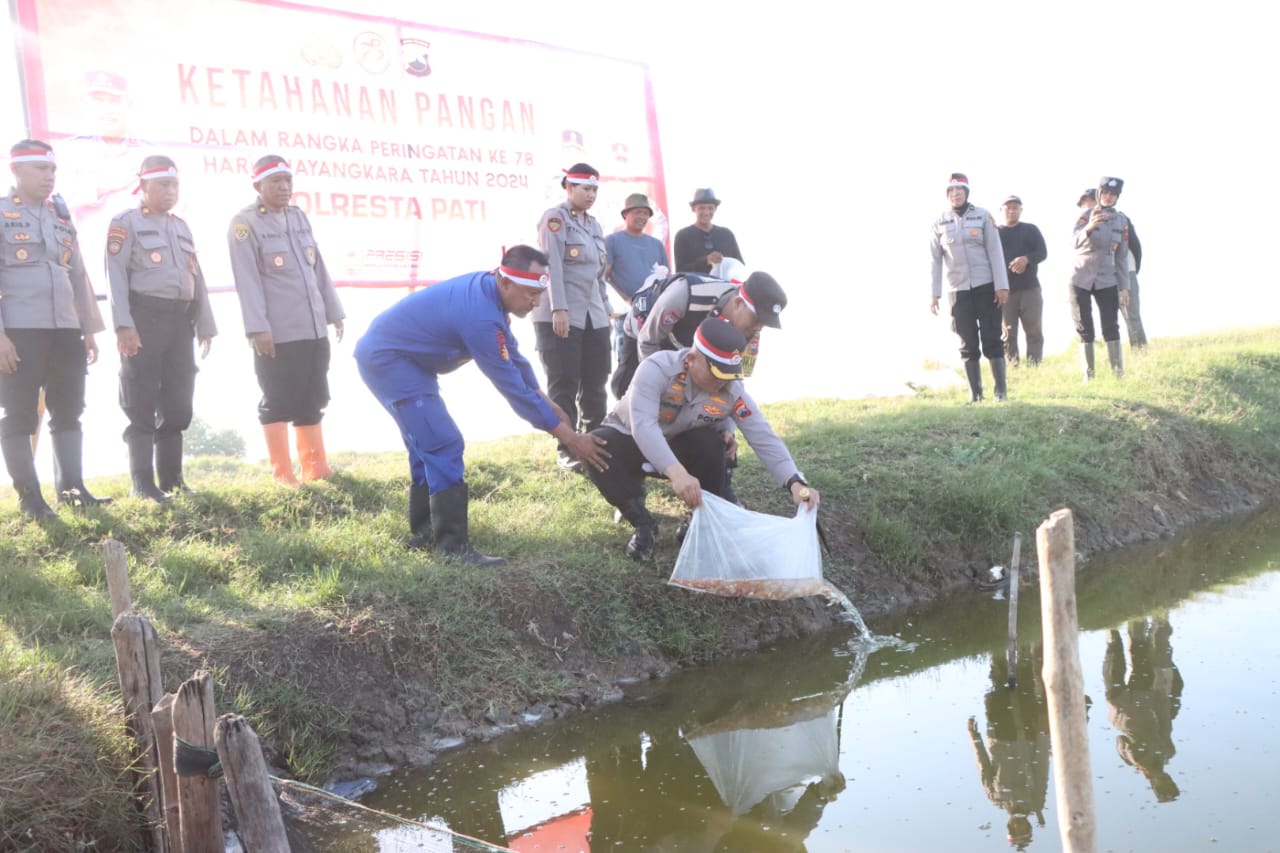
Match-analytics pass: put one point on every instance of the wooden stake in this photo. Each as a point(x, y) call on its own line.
point(117, 577)
point(1064, 683)
point(162, 722)
point(254, 800)
point(1011, 656)
point(138, 664)
point(200, 824)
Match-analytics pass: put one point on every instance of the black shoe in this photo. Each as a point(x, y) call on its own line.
point(642, 541)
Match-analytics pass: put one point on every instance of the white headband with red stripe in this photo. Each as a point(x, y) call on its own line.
point(152, 174)
point(31, 155)
point(742, 291)
point(276, 167)
point(585, 179)
point(526, 278)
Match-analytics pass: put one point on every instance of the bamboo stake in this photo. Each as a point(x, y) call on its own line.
point(1011, 655)
point(254, 800)
point(1064, 683)
point(117, 577)
point(200, 824)
point(138, 665)
point(162, 721)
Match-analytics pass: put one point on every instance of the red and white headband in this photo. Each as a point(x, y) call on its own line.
point(742, 291)
point(702, 345)
point(526, 278)
point(585, 179)
point(31, 155)
point(152, 174)
point(276, 167)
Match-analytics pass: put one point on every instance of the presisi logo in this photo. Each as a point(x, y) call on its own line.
point(413, 52)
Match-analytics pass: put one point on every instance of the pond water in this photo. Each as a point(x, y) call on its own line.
point(823, 745)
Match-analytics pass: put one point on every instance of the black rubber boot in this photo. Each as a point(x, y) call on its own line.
point(140, 470)
point(420, 534)
point(1115, 355)
point(998, 378)
point(67, 471)
point(449, 522)
point(21, 465)
point(729, 494)
point(641, 545)
point(169, 464)
point(973, 370)
point(1087, 351)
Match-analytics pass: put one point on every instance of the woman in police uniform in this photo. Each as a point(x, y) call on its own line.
point(572, 327)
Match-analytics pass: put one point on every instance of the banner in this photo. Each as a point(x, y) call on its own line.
point(418, 152)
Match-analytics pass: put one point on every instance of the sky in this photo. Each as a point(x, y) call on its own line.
point(829, 133)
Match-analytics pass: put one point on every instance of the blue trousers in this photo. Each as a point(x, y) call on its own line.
point(432, 439)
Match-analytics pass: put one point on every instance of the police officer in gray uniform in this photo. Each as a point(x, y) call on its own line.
point(159, 302)
point(287, 299)
point(678, 418)
point(572, 326)
point(1101, 272)
point(967, 240)
point(48, 318)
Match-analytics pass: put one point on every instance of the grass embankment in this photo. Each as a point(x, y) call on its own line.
point(317, 623)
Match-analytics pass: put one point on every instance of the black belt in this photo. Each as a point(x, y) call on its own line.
point(160, 303)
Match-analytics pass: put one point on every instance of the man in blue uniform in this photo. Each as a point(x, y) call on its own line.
point(435, 331)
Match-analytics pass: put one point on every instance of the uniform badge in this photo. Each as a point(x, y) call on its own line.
point(554, 224)
point(240, 232)
point(66, 257)
point(740, 410)
point(753, 348)
point(114, 247)
point(13, 214)
point(973, 232)
point(667, 415)
point(574, 252)
point(670, 318)
point(502, 347)
point(156, 257)
point(311, 255)
point(66, 239)
point(21, 236)
point(117, 232)
point(714, 411)
point(21, 254)
point(278, 260)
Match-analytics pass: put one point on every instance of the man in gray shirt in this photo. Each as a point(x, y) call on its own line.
point(159, 302)
point(48, 318)
point(288, 300)
point(677, 420)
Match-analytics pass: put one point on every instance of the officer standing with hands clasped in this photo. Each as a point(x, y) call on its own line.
point(435, 331)
point(48, 318)
point(288, 300)
point(159, 302)
point(674, 417)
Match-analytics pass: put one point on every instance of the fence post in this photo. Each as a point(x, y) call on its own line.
point(138, 664)
point(200, 823)
point(162, 722)
point(254, 800)
point(117, 577)
point(1064, 683)
point(1011, 654)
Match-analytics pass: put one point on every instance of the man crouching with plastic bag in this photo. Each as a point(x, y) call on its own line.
point(677, 419)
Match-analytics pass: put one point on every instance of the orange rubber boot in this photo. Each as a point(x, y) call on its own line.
point(311, 453)
point(277, 435)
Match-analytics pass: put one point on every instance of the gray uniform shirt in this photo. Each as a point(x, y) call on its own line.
point(574, 244)
point(154, 254)
point(663, 401)
point(969, 242)
point(681, 297)
point(1102, 257)
point(281, 279)
point(43, 284)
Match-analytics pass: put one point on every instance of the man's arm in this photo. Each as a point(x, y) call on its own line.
point(1135, 248)
point(120, 241)
point(551, 232)
point(688, 247)
point(666, 311)
point(1039, 251)
point(243, 248)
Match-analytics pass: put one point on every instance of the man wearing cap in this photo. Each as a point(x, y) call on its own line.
point(1024, 251)
point(633, 256)
point(435, 331)
point(572, 326)
point(966, 240)
point(675, 418)
point(48, 318)
point(159, 302)
point(701, 246)
point(1101, 273)
point(288, 301)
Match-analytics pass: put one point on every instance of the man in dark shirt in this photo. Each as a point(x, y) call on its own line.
point(1024, 251)
point(702, 245)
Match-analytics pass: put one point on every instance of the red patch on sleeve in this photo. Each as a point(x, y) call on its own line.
point(740, 410)
point(502, 347)
point(554, 224)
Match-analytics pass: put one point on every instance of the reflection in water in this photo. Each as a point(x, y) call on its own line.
point(1014, 760)
point(1144, 704)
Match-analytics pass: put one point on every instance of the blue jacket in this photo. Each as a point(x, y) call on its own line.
point(437, 330)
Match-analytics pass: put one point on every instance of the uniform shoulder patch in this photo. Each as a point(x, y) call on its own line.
point(670, 318)
point(554, 224)
point(740, 410)
point(114, 246)
point(503, 353)
point(240, 231)
point(117, 232)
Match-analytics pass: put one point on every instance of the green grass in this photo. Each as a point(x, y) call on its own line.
point(304, 602)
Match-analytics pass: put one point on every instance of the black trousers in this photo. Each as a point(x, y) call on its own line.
point(295, 384)
point(577, 369)
point(628, 361)
point(1108, 300)
point(977, 319)
point(700, 451)
point(158, 383)
point(53, 359)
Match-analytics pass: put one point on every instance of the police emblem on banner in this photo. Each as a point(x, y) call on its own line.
point(240, 232)
point(413, 53)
